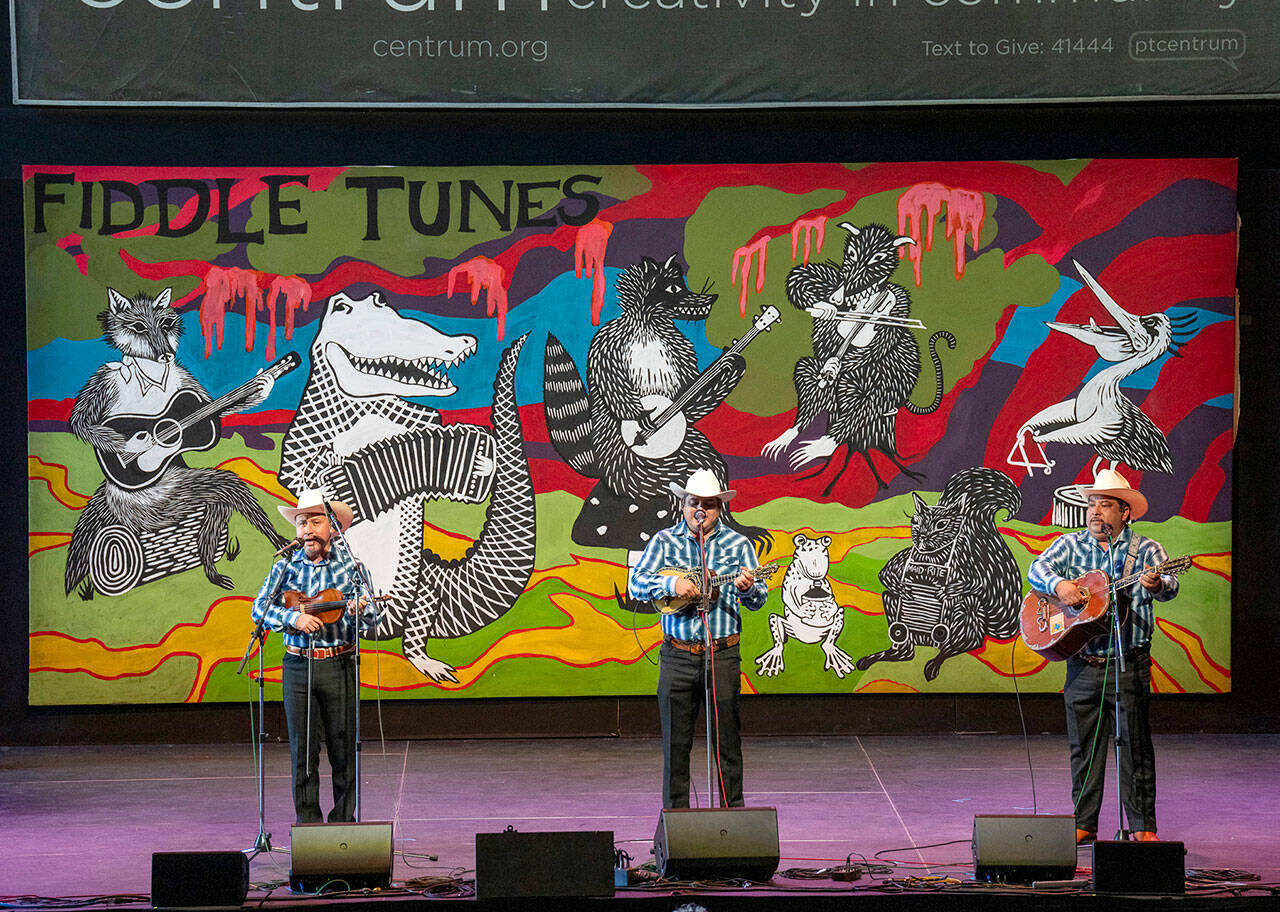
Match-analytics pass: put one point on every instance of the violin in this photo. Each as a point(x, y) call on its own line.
point(327, 605)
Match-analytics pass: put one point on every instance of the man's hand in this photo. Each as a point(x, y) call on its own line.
point(745, 580)
point(1070, 594)
point(1151, 581)
point(307, 623)
point(687, 588)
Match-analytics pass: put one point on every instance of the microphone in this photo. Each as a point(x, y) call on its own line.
point(1106, 527)
point(700, 516)
point(296, 543)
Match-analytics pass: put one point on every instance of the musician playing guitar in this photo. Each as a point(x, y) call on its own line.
point(309, 595)
point(1108, 543)
point(682, 676)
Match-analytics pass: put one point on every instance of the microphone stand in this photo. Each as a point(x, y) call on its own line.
point(1122, 833)
point(708, 666)
point(263, 842)
point(363, 585)
point(259, 636)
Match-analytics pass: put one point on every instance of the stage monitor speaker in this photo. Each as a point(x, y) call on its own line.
point(342, 856)
point(199, 880)
point(1139, 867)
point(513, 865)
point(1021, 848)
point(717, 843)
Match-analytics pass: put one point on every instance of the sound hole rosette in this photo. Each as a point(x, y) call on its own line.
point(115, 560)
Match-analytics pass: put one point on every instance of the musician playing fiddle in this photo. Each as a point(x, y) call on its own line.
point(1109, 544)
point(309, 596)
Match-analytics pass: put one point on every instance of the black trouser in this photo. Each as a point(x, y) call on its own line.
point(1090, 706)
point(333, 684)
point(681, 691)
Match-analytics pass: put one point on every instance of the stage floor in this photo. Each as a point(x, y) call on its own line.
point(84, 821)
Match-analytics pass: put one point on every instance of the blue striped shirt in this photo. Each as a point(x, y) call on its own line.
point(1072, 555)
point(296, 573)
point(727, 551)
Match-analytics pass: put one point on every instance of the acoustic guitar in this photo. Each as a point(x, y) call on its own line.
point(671, 604)
point(1058, 631)
point(188, 424)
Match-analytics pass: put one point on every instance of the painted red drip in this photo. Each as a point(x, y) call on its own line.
point(921, 204)
point(809, 227)
point(222, 286)
point(588, 254)
point(758, 247)
point(296, 293)
point(484, 273)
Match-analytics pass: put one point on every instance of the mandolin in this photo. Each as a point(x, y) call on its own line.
point(1058, 631)
point(673, 603)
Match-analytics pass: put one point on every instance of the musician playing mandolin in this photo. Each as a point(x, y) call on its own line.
point(310, 597)
point(682, 679)
point(1109, 544)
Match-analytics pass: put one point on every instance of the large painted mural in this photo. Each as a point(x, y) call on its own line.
point(903, 368)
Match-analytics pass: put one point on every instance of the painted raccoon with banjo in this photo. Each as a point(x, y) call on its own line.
point(631, 425)
point(1067, 578)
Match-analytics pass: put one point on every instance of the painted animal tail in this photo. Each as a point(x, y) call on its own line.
point(92, 520)
point(567, 407)
point(983, 491)
point(937, 373)
point(464, 595)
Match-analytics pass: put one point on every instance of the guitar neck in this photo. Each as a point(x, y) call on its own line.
point(239, 394)
point(705, 377)
point(763, 572)
point(1134, 577)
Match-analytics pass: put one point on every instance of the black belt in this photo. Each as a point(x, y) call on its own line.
point(1098, 661)
point(698, 647)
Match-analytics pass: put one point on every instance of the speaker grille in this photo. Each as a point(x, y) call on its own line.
point(199, 880)
point(516, 865)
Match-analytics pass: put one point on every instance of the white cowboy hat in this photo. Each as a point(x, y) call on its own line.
point(702, 483)
point(1113, 484)
point(312, 502)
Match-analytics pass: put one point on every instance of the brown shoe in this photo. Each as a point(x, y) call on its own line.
point(1084, 837)
point(1145, 836)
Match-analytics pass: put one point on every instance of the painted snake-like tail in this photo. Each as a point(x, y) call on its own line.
point(937, 373)
point(457, 597)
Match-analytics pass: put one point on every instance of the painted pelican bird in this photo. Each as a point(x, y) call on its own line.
point(1100, 415)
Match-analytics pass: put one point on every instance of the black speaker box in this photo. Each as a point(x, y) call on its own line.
point(1021, 848)
point(1139, 867)
point(340, 856)
point(515, 865)
point(717, 843)
point(199, 880)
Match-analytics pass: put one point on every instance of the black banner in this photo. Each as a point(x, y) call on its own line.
point(553, 53)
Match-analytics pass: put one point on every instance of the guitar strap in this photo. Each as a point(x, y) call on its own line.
point(1130, 559)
